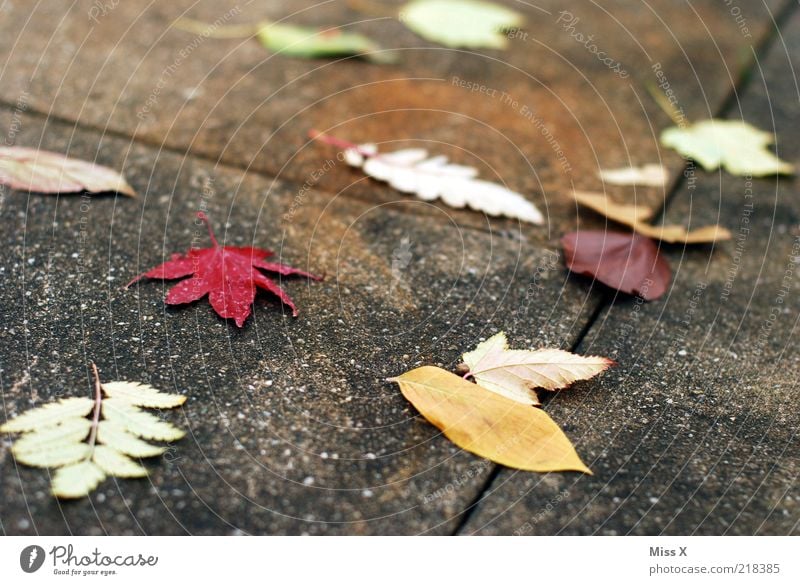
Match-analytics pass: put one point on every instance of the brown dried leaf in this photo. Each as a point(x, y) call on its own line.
point(635, 217)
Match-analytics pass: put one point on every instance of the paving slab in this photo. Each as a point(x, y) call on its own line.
point(695, 431)
point(292, 426)
point(547, 113)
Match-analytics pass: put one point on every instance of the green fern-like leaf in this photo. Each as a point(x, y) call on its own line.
point(88, 440)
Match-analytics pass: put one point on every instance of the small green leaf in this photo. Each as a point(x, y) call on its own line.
point(142, 395)
point(115, 436)
point(461, 23)
point(735, 145)
point(48, 415)
point(309, 43)
point(116, 464)
point(77, 480)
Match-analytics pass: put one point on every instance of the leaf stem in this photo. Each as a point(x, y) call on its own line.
point(338, 142)
point(98, 400)
point(204, 218)
point(675, 114)
point(372, 8)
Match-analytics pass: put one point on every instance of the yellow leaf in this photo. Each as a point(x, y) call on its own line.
point(635, 216)
point(488, 424)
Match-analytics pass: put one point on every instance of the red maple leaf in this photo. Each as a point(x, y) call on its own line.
point(228, 275)
point(630, 263)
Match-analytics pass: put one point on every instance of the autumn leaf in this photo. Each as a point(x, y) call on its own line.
point(412, 171)
point(461, 23)
point(88, 440)
point(40, 171)
point(489, 425)
point(735, 145)
point(635, 217)
point(619, 212)
point(309, 43)
point(630, 263)
point(228, 275)
point(295, 41)
point(650, 175)
point(516, 373)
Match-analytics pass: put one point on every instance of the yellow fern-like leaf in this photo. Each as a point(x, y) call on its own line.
point(77, 480)
point(142, 395)
point(138, 422)
point(115, 463)
point(87, 440)
point(72, 430)
point(115, 436)
point(56, 456)
point(49, 414)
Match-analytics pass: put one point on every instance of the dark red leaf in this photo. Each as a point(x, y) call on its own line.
point(228, 275)
point(630, 263)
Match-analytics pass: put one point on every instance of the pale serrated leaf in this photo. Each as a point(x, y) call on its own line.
point(735, 145)
point(515, 373)
point(461, 23)
point(138, 422)
point(142, 395)
point(116, 464)
point(54, 455)
point(50, 172)
point(411, 171)
point(72, 430)
point(489, 425)
point(49, 414)
point(77, 480)
point(114, 435)
point(649, 175)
